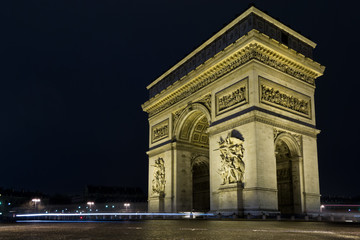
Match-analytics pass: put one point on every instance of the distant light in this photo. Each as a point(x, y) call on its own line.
point(36, 200)
point(349, 210)
point(112, 206)
point(9, 204)
point(90, 203)
point(322, 206)
point(0, 213)
point(0, 202)
point(106, 206)
point(126, 204)
point(79, 207)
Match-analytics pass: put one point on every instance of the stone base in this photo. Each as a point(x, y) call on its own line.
point(231, 199)
point(156, 203)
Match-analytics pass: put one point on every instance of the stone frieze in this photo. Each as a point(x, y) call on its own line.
point(231, 97)
point(278, 96)
point(160, 131)
point(251, 52)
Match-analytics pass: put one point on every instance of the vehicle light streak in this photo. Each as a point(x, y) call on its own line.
point(113, 214)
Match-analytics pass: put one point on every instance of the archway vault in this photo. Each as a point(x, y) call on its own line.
point(193, 124)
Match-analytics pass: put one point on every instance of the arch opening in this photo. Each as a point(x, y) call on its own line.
point(288, 177)
point(194, 139)
point(201, 186)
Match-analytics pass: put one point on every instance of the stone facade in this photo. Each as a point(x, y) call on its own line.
point(237, 134)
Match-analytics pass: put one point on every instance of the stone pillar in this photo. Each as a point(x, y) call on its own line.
point(156, 203)
point(231, 199)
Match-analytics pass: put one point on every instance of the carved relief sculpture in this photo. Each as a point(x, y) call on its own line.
point(158, 182)
point(272, 95)
point(232, 164)
point(160, 131)
point(282, 97)
point(231, 97)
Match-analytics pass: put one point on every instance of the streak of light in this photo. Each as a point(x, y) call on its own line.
point(113, 214)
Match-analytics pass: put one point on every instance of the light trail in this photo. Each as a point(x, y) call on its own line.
point(341, 205)
point(187, 214)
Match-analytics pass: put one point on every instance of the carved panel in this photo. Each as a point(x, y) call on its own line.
point(160, 131)
point(232, 97)
point(232, 153)
point(158, 182)
point(284, 98)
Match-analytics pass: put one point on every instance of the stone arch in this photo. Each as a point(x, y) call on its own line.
point(289, 174)
point(191, 108)
point(192, 125)
point(291, 142)
point(192, 144)
point(199, 160)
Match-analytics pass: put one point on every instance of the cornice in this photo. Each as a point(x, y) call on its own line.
point(255, 46)
point(255, 117)
point(251, 10)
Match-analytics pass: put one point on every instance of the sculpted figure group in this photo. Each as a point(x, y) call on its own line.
point(158, 182)
point(232, 164)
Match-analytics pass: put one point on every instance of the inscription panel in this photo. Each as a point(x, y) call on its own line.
point(160, 131)
point(231, 97)
point(284, 98)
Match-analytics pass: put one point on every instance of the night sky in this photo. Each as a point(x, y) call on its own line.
point(74, 75)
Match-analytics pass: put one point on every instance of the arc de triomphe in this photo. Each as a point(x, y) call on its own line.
point(232, 125)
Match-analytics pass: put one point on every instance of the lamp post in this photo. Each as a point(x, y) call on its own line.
point(126, 205)
point(35, 201)
point(90, 204)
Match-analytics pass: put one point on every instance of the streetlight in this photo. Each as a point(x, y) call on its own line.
point(90, 204)
point(321, 208)
point(35, 200)
point(126, 205)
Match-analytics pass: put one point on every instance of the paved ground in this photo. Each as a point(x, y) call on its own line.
point(180, 229)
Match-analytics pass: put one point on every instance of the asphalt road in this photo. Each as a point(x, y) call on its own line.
point(180, 229)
